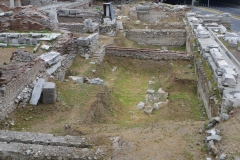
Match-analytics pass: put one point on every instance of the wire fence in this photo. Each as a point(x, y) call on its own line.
point(231, 10)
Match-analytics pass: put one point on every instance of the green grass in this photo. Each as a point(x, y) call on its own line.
point(75, 94)
point(129, 84)
point(208, 70)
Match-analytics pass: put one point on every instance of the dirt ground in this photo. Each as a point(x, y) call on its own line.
point(110, 111)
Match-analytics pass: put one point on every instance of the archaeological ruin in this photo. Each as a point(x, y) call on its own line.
point(84, 79)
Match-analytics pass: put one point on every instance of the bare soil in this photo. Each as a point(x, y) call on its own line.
point(102, 112)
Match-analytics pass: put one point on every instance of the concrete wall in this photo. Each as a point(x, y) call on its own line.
point(167, 37)
point(9, 91)
point(147, 54)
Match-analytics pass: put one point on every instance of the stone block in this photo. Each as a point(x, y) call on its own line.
point(37, 90)
point(3, 45)
point(49, 93)
point(14, 41)
point(21, 41)
point(83, 41)
point(142, 8)
point(150, 91)
point(148, 109)
point(232, 44)
point(75, 11)
point(77, 79)
point(215, 138)
point(63, 11)
point(140, 105)
point(53, 68)
point(36, 35)
point(97, 81)
point(50, 58)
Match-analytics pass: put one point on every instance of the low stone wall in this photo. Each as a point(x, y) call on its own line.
point(205, 91)
point(65, 64)
point(147, 54)
point(166, 37)
point(79, 17)
point(154, 14)
point(73, 27)
point(224, 19)
point(40, 3)
point(103, 29)
point(26, 145)
point(10, 87)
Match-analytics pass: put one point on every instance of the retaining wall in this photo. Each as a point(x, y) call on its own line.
point(204, 88)
point(79, 17)
point(16, 84)
point(73, 27)
point(166, 37)
point(147, 54)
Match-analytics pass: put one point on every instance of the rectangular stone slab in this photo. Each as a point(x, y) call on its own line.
point(49, 93)
point(37, 90)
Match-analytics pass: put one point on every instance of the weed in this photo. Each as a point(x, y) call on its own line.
point(188, 155)
point(57, 131)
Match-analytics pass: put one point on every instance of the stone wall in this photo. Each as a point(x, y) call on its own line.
point(28, 146)
point(224, 19)
point(25, 18)
point(104, 28)
point(70, 48)
point(147, 54)
point(79, 16)
point(65, 64)
point(14, 81)
point(205, 91)
point(40, 3)
point(151, 16)
point(73, 27)
point(167, 37)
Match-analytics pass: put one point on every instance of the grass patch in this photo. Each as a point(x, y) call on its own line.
point(130, 82)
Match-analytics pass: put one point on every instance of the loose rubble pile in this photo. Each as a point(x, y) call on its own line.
point(154, 100)
point(213, 139)
point(21, 56)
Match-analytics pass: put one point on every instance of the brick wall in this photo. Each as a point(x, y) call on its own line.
point(10, 90)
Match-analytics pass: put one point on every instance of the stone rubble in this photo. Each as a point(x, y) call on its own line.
point(97, 81)
point(21, 56)
point(77, 79)
point(153, 100)
point(24, 97)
